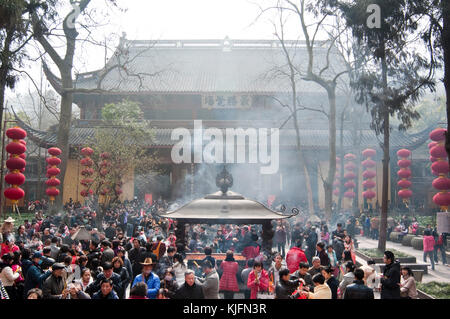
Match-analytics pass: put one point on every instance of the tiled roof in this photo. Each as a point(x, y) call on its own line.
point(183, 66)
point(310, 138)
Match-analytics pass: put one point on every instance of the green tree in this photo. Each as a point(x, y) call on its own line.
point(124, 137)
point(392, 77)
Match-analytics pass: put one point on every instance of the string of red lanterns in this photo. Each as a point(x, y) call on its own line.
point(369, 184)
point(104, 170)
point(52, 171)
point(440, 168)
point(16, 165)
point(405, 174)
point(87, 172)
point(350, 176)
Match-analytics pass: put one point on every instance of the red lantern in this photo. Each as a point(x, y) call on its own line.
point(336, 192)
point(14, 193)
point(86, 162)
point(350, 184)
point(87, 181)
point(369, 194)
point(432, 144)
point(15, 148)
point(369, 163)
point(441, 167)
point(441, 183)
point(87, 151)
point(404, 193)
point(16, 133)
point(350, 156)
point(404, 153)
point(52, 192)
point(369, 184)
point(87, 172)
point(442, 199)
point(105, 155)
point(404, 183)
point(369, 174)
point(369, 152)
point(54, 151)
point(53, 182)
point(15, 178)
point(404, 163)
point(350, 175)
point(404, 173)
point(53, 161)
point(15, 163)
point(433, 159)
point(438, 134)
point(438, 151)
point(53, 171)
point(23, 156)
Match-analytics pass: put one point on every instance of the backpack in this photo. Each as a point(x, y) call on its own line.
point(440, 240)
point(156, 250)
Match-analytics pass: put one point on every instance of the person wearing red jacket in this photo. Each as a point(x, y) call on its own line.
point(428, 247)
point(258, 280)
point(294, 257)
point(228, 281)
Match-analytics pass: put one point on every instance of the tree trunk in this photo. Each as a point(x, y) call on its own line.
point(302, 163)
point(341, 169)
point(385, 187)
point(446, 50)
point(328, 182)
point(63, 129)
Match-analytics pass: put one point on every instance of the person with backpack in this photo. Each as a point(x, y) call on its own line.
point(440, 240)
point(159, 247)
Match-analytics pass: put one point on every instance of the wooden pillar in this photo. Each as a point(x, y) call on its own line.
point(180, 233)
point(267, 237)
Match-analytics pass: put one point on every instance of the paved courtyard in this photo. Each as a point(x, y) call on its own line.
point(440, 274)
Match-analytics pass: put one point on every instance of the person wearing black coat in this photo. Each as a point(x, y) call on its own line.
point(322, 254)
point(331, 281)
point(358, 290)
point(189, 290)
point(107, 273)
point(390, 288)
point(135, 255)
point(123, 273)
point(285, 287)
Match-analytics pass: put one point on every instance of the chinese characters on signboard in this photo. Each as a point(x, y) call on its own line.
point(226, 101)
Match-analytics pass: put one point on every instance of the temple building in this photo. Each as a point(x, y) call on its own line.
point(225, 84)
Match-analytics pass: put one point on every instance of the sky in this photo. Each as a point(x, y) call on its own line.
point(169, 19)
point(193, 19)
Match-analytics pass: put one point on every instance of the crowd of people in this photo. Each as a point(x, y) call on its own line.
point(131, 252)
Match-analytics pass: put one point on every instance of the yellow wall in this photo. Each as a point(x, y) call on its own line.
point(72, 186)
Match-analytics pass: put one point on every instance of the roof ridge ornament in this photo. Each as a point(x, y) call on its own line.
point(224, 180)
